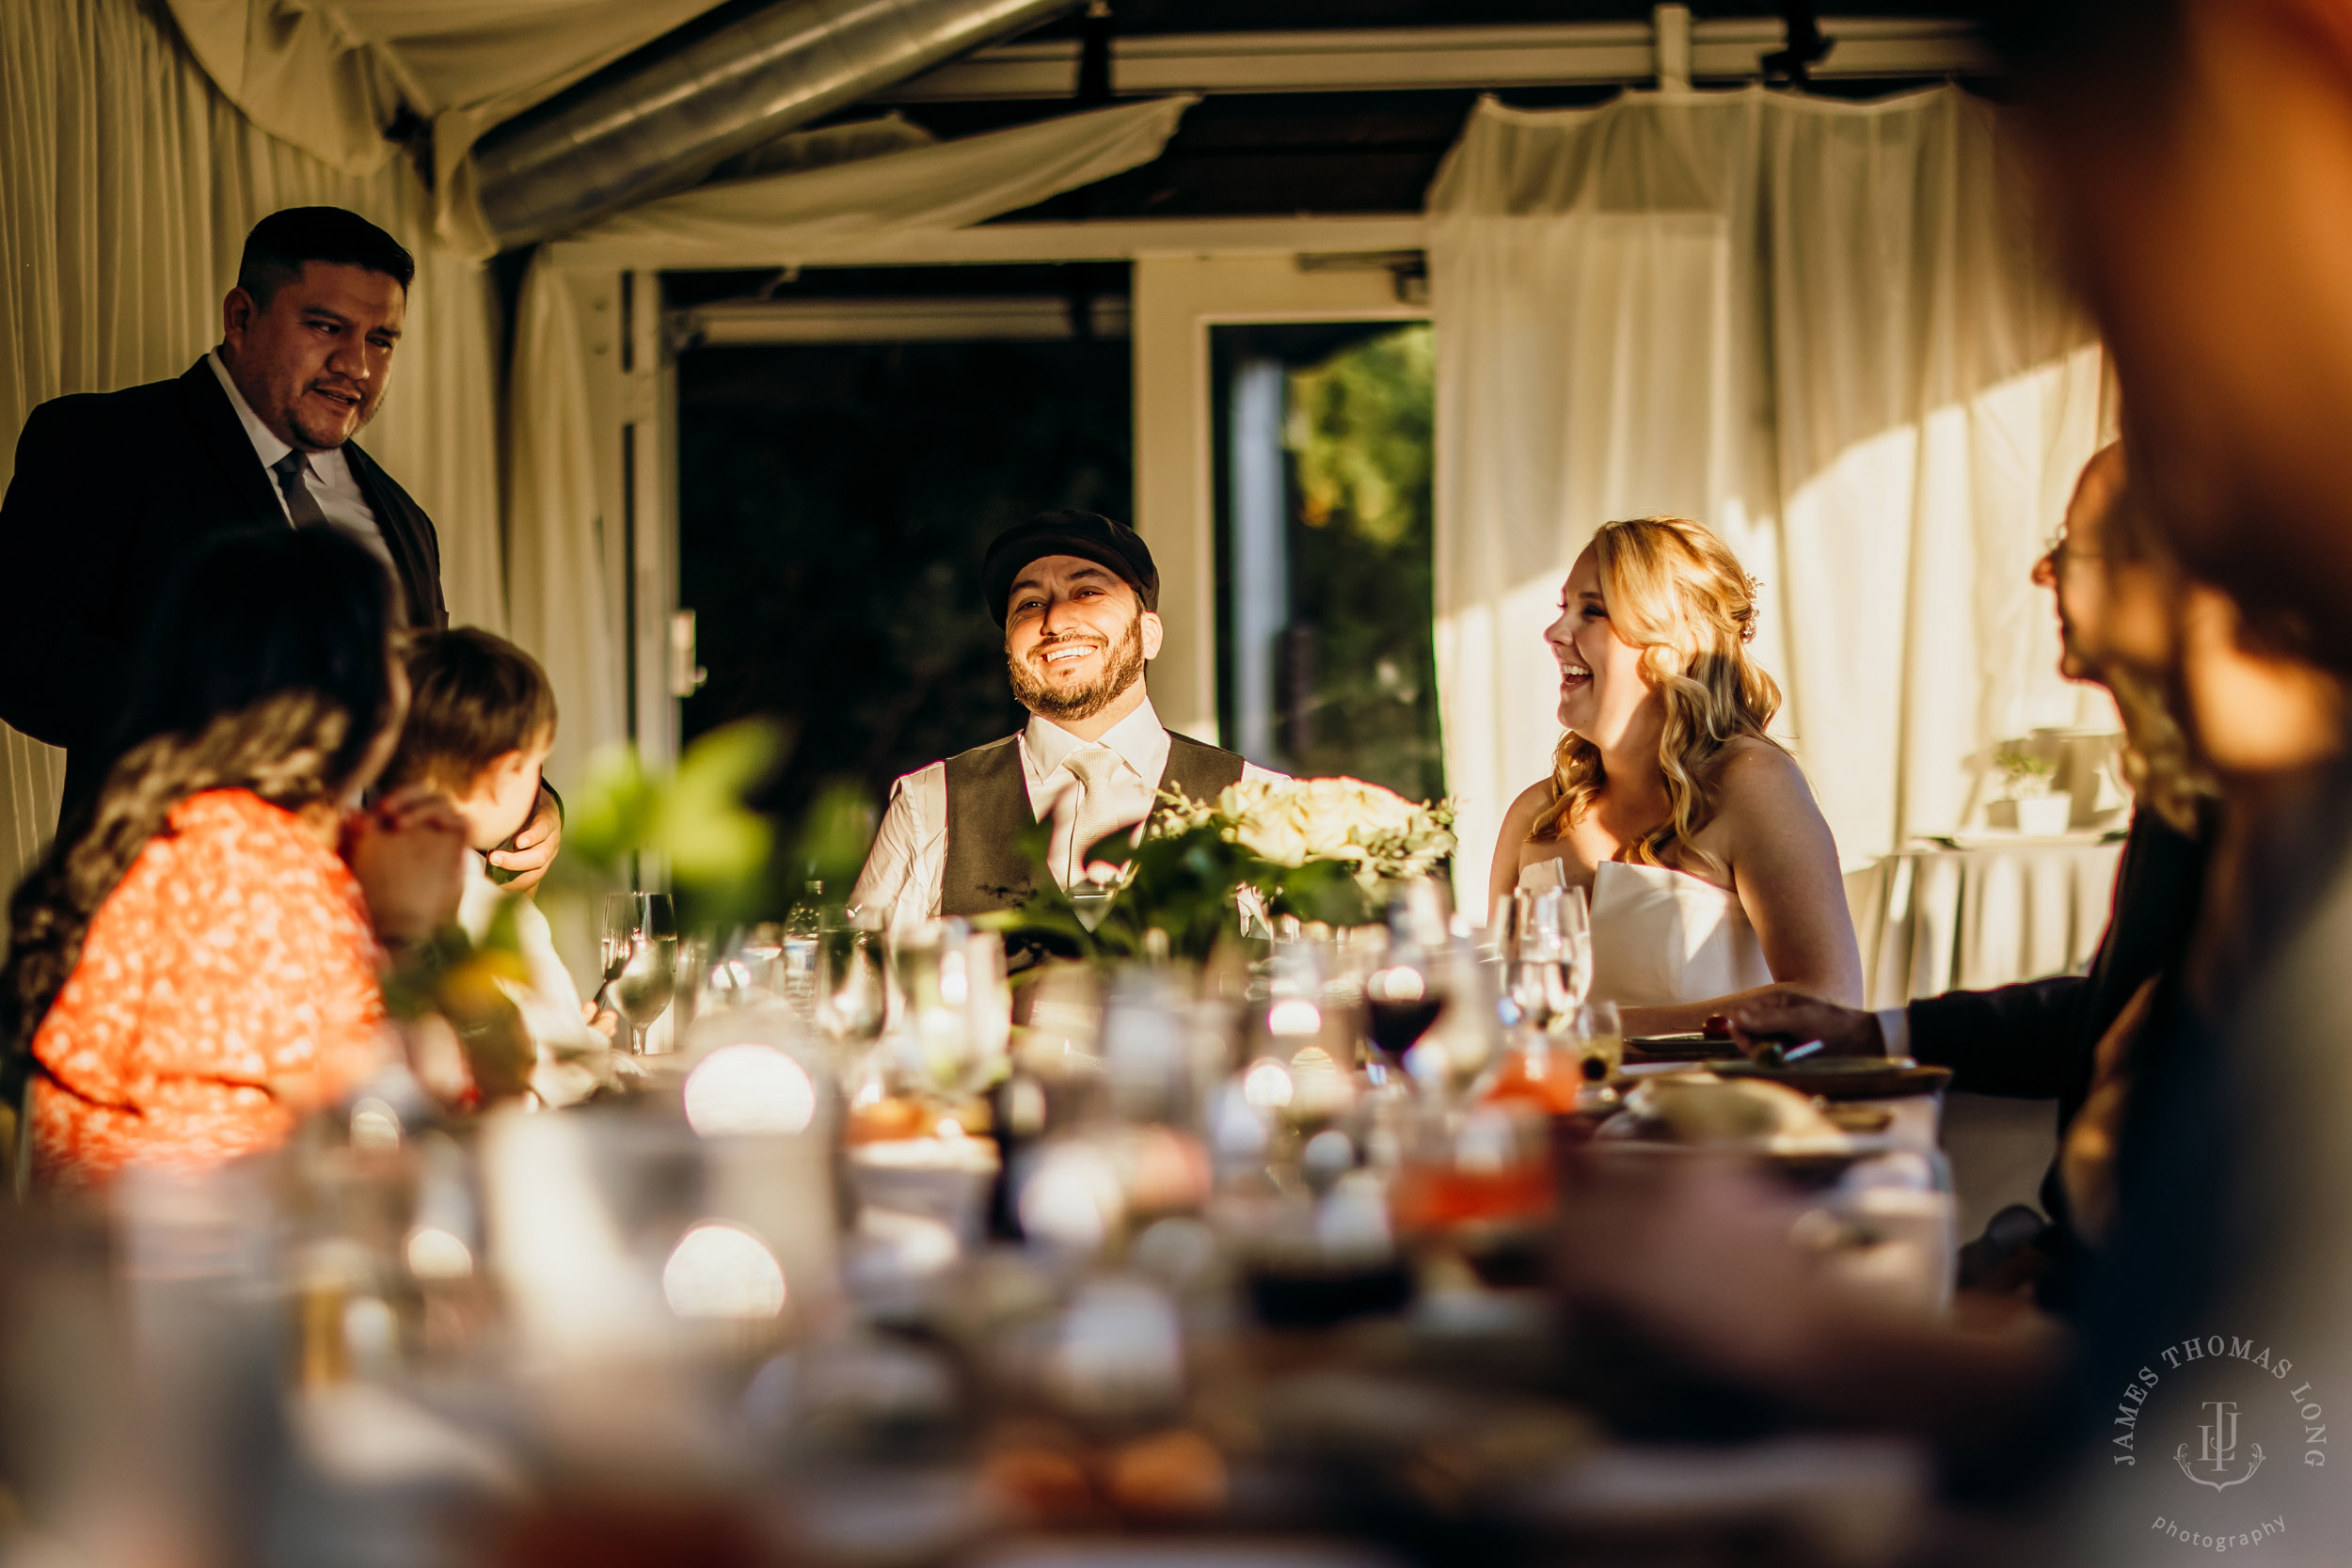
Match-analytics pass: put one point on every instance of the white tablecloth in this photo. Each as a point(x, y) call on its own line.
point(1933, 919)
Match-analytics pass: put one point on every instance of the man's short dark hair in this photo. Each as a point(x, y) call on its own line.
point(283, 242)
point(472, 698)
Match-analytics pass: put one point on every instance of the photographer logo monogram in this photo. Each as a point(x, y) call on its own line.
point(2242, 1395)
point(2218, 1448)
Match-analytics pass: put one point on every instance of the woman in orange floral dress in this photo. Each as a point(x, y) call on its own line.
point(197, 966)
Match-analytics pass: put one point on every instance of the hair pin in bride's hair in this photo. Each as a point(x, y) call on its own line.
point(1748, 615)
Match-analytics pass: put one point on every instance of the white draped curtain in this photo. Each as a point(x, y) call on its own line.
point(1831, 332)
point(127, 188)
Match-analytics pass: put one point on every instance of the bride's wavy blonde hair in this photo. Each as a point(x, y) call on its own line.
point(1677, 593)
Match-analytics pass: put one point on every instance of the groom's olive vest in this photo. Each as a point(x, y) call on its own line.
point(988, 811)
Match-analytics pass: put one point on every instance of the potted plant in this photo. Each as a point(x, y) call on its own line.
point(2029, 783)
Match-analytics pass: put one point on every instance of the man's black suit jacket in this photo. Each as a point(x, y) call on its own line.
point(113, 492)
point(2035, 1040)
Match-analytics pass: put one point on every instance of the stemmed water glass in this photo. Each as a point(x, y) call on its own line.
point(853, 987)
point(640, 958)
point(1549, 949)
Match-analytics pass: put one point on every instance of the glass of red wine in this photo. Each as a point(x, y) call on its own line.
point(1407, 992)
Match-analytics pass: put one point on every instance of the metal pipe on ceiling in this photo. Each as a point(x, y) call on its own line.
point(665, 124)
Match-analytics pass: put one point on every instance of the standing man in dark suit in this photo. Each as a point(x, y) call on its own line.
point(114, 491)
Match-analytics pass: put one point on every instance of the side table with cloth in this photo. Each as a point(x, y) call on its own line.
point(1931, 919)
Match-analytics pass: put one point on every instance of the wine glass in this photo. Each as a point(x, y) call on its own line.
point(641, 955)
point(1540, 955)
point(1405, 995)
point(1600, 1038)
point(853, 992)
point(958, 1002)
point(1576, 931)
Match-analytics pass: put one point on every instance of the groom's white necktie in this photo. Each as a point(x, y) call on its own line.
point(1096, 814)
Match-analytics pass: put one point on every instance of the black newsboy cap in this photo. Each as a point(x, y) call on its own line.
point(1114, 546)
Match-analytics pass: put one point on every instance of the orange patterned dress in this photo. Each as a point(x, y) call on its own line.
point(226, 985)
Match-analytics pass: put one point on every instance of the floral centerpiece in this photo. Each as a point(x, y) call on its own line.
point(1318, 848)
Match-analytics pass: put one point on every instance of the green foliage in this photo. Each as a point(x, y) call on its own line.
point(1180, 885)
point(1359, 427)
point(832, 839)
point(716, 848)
point(464, 984)
point(2025, 772)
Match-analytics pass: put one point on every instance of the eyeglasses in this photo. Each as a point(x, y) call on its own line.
point(2061, 550)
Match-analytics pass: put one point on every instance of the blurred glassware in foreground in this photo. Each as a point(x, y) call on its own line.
point(640, 951)
point(1565, 1067)
point(1547, 946)
point(852, 982)
point(958, 1018)
point(1410, 988)
point(800, 951)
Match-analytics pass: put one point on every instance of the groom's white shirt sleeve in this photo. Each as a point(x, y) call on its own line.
point(906, 866)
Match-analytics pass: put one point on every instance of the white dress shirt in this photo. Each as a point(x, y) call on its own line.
point(331, 482)
point(906, 869)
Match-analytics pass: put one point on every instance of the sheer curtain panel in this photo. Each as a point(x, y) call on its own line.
point(125, 194)
point(1828, 330)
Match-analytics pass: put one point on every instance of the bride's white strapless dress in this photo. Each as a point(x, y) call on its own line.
point(1662, 937)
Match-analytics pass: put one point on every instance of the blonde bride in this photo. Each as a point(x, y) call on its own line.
point(1714, 879)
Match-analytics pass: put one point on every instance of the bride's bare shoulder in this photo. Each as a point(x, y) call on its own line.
point(1754, 775)
point(1528, 804)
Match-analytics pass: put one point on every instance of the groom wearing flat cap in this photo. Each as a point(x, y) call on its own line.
point(1079, 597)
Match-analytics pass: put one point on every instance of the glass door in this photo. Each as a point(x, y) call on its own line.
point(1323, 448)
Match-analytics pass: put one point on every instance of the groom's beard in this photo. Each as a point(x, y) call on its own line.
point(1122, 667)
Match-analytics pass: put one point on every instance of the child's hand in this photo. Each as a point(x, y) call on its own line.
point(535, 846)
point(606, 1023)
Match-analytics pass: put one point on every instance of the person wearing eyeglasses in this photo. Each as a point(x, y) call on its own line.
point(2038, 1039)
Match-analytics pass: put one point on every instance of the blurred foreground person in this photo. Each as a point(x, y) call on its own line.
point(2200, 154)
point(1714, 877)
point(2039, 1039)
point(200, 967)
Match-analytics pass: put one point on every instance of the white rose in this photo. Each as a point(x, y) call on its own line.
point(1273, 834)
point(1325, 811)
point(1242, 798)
point(1384, 811)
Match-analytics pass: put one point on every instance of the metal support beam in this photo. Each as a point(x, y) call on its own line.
point(1377, 60)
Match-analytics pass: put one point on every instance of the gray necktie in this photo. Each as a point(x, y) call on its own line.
point(301, 506)
point(1095, 818)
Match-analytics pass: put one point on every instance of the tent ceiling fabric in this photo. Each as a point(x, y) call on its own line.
point(332, 79)
point(681, 108)
point(799, 216)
